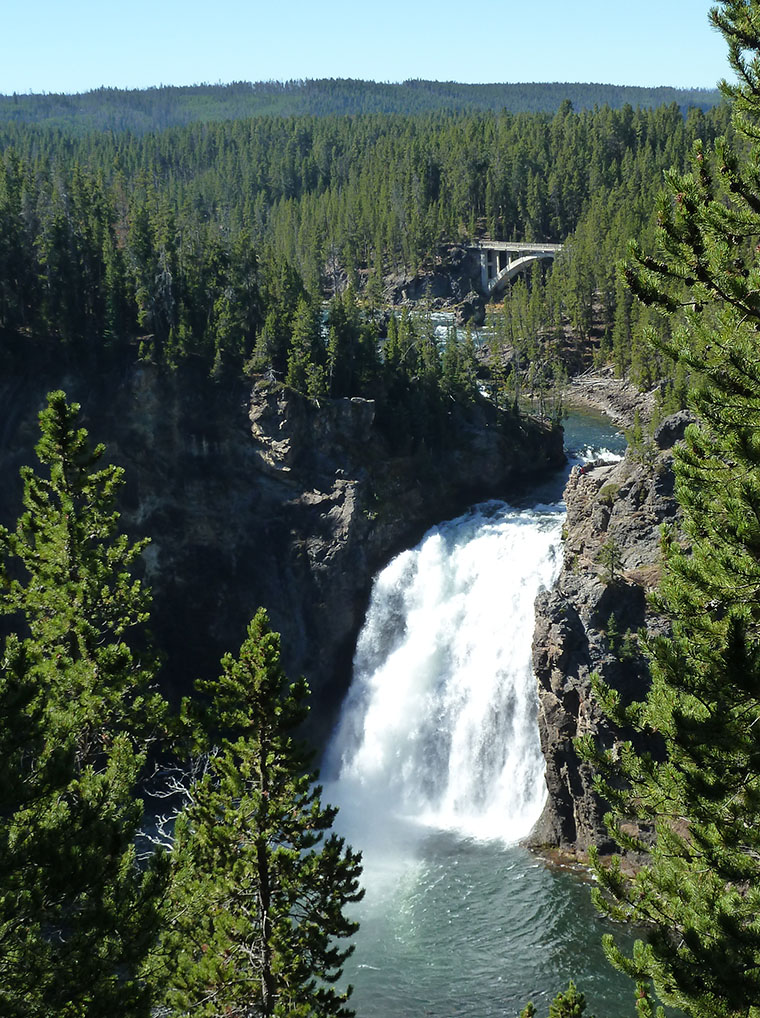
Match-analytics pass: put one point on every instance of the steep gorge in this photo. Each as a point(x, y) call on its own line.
point(253, 495)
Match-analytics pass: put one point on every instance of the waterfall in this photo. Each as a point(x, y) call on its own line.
point(439, 726)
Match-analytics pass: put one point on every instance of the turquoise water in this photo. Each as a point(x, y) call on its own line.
point(472, 929)
point(591, 432)
point(459, 919)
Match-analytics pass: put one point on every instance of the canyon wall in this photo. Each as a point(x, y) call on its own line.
point(589, 623)
point(253, 495)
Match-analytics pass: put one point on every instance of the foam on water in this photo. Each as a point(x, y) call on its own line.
point(440, 722)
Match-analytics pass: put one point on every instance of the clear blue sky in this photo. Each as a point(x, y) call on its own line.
point(59, 46)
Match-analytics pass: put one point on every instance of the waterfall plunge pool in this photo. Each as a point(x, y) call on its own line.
point(438, 774)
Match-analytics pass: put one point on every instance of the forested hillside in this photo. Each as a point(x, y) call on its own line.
point(153, 109)
point(188, 241)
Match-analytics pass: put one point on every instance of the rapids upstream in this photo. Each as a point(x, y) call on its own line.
point(437, 770)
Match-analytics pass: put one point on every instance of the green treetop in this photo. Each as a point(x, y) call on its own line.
point(256, 911)
point(306, 357)
point(76, 913)
point(695, 806)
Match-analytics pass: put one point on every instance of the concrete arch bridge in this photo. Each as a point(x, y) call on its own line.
point(501, 260)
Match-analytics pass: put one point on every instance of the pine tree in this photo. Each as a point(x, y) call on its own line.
point(343, 355)
point(450, 370)
point(77, 915)
point(428, 355)
point(468, 367)
point(569, 1004)
point(306, 358)
point(259, 886)
point(694, 807)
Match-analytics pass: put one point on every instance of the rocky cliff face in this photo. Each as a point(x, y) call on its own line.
point(453, 283)
point(346, 505)
point(589, 621)
point(252, 495)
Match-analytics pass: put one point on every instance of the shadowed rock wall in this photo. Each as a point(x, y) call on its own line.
point(623, 505)
point(252, 495)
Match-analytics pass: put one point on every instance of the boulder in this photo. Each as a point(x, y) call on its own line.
point(672, 429)
point(472, 309)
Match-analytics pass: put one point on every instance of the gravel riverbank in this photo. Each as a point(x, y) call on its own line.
point(615, 397)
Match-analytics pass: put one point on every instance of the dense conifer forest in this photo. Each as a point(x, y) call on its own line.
point(200, 240)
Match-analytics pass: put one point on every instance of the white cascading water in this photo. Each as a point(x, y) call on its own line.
point(440, 723)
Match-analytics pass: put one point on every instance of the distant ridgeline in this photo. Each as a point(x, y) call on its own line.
point(141, 110)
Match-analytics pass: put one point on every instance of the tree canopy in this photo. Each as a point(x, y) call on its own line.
point(77, 913)
point(100, 250)
point(255, 918)
point(694, 810)
point(152, 109)
point(242, 911)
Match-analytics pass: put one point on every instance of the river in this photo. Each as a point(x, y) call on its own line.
point(437, 771)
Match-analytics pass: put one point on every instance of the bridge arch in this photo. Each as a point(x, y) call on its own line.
point(500, 261)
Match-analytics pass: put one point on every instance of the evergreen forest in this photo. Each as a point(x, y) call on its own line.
point(153, 109)
point(265, 230)
point(198, 241)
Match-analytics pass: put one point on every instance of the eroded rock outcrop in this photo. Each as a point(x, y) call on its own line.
point(455, 276)
point(589, 621)
point(348, 504)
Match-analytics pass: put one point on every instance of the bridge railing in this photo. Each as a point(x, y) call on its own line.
point(516, 246)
